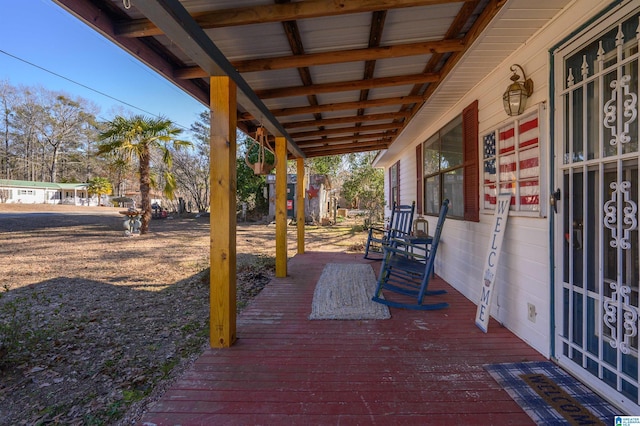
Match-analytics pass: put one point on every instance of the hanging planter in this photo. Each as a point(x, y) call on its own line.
point(261, 166)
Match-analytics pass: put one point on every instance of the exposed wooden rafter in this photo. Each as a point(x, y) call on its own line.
point(341, 106)
point(297, 48)
point(345, 130)
point(343, 86)
point(323, 126)
point(275, 13)
point(324, 141)
point(333, 57)
point(345, 149)
point(344, 120)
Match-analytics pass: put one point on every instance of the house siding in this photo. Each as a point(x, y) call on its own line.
point(28, 192)
point(523, 276)
point(408, 179)
point(407, 183)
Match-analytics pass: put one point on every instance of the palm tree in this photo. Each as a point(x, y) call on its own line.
point(135, 138)
point(99, 186)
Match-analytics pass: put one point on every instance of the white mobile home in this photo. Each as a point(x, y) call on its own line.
point(28, 192)
point(567, 282)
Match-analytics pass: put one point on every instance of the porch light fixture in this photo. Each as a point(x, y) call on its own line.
point(515, 97)
point(420, 227)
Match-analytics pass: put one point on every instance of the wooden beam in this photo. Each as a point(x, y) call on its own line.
point(281, 207)
point(455, 29)
point(386, 136)
point(357, 144)
point(341, 106)
point(492, 8)
point(344, 86)
point(353, 55)
point(294, 38)
point(260, 14)
point(222, 295)
point(346, 120)
point(300, 203)
point(186, 35)
point(333, 57)
point(378, 19)
point(347, 149)
point(357, 130)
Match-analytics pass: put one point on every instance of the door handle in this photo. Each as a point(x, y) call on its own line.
point(553, 200)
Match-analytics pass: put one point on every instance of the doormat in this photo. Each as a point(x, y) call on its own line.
point(549, 395)
point(344, 292)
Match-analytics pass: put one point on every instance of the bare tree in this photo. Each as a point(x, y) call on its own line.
point(191, 167)
point(44, 128)
point(7, 101)
point(65, 123)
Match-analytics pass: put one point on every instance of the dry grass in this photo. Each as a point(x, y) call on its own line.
point(94, 325)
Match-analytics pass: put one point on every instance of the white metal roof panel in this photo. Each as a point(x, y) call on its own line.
point(481, 61)
point(273, 79)
point(347, 71)
point(419, 23)
point(324, 34)
point(401, 66)
point(250, 41)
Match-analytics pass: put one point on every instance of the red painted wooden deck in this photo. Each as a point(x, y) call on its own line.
point(416, 368)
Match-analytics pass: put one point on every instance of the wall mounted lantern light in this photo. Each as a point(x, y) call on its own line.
point(420, 227)
point(515, 97)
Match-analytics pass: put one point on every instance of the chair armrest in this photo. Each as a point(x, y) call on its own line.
point(375, 230)
point(399, 237)
point(404, 248)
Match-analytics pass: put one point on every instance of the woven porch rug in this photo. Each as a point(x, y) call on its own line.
point(344, 292)
point(550, 396)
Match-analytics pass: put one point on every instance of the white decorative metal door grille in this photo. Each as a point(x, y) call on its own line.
point(597, 225)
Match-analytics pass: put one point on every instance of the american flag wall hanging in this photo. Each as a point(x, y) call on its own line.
point(512, 164)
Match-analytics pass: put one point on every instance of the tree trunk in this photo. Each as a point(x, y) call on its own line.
point(145, 188)
point(6, 143)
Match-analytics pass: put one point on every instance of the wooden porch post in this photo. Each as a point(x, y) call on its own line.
point(300, 202)
point(222, 294)
point(281, 207)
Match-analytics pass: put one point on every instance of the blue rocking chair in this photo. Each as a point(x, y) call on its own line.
point(406, 270)
point(399, 227)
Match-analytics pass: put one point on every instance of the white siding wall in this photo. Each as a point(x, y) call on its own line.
point(524, 272)
point(408, 179)
point(29, 196)
point(407, 182)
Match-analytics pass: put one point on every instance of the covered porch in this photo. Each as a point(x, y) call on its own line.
point(415, 368)
point(321, 77)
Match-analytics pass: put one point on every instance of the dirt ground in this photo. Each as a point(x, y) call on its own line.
point(94, 325)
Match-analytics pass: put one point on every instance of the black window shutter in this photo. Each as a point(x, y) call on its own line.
point(471, 169)
point(398, 175)
point(419, 166)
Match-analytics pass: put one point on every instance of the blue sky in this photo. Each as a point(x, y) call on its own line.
point(42, 33)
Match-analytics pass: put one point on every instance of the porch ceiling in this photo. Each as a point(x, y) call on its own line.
point(332, 76)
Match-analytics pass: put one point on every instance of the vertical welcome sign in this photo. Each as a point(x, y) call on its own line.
point(491, 263)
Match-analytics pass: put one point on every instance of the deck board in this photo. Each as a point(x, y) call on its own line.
point(415, 368)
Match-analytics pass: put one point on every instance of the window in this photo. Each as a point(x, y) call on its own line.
point(511, 163)
point(443, 173)
point(26, 192)
point(394, 184)
point(449, 168)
